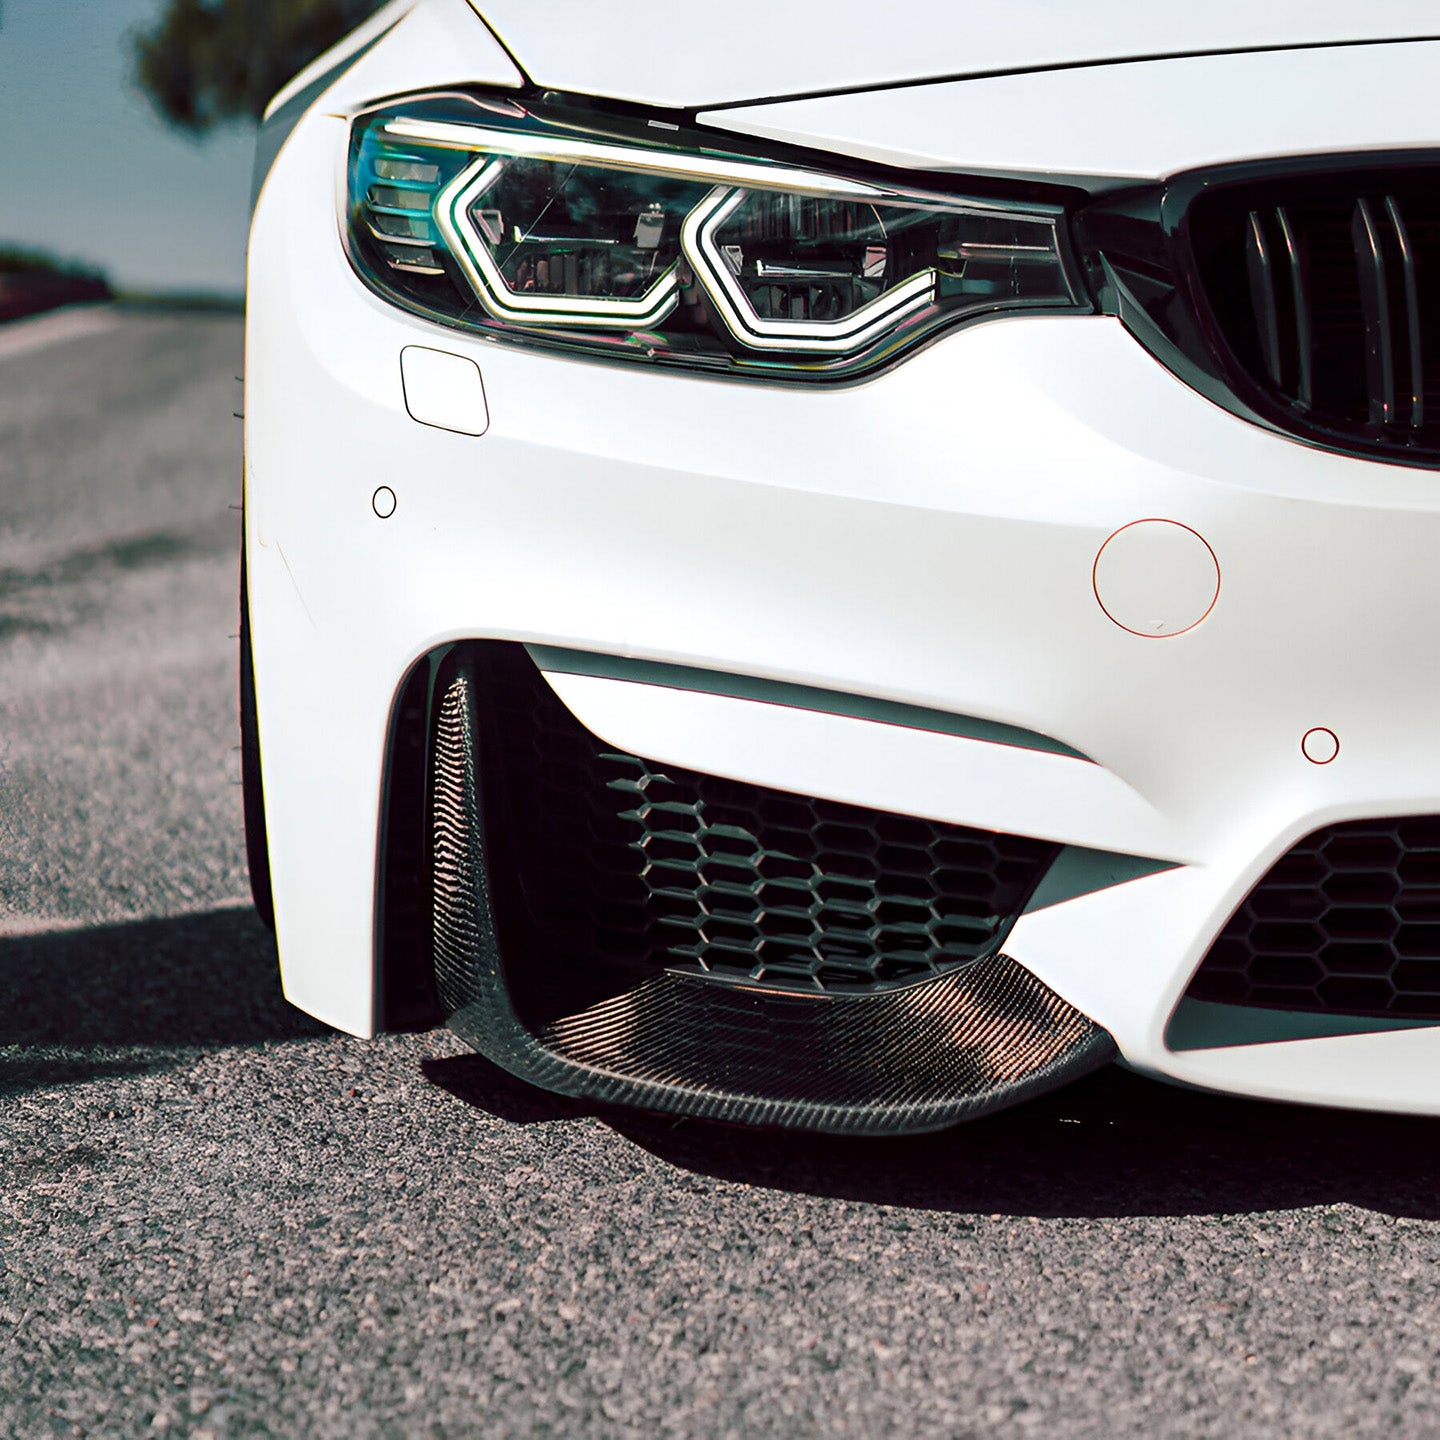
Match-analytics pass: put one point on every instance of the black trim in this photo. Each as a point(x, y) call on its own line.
point(797, 697)
point(404, 983)
point(1078, 870)
point(252, 787)
point(1207, 1025)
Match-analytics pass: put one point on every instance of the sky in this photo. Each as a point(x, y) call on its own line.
point(89, 172)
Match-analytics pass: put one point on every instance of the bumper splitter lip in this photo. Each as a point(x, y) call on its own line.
point(904, 1062)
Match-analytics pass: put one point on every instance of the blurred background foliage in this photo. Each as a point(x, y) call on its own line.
point(22, 260)
point(208, 61)
point(34, 280)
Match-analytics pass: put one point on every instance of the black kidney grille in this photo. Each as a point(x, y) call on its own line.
point(1326, 289)
point(1347, 922)
point(648, 866)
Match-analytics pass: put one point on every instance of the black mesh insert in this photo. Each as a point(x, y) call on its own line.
point(1347, 922)
point(619, 867)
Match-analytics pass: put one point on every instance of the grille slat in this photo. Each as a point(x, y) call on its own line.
point(1416, 396)
point(1261, 271)
point(1300, 299)
point(1374, 294)
point(1375, 303)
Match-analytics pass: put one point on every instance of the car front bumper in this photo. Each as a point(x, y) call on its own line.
point(928, 537)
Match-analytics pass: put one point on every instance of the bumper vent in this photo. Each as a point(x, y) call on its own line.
point(571, 952)
point(1347, 923)
point(637, 862)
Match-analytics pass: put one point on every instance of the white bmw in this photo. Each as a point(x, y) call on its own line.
point(839, 565)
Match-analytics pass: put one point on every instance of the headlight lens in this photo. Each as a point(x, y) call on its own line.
point(484, 214)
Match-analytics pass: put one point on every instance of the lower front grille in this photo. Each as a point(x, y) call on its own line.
point(1348, 922)
point(623, 860)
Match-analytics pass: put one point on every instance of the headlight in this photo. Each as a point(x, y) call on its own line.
point(488, 215)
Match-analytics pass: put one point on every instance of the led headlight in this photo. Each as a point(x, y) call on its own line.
point(485, 214)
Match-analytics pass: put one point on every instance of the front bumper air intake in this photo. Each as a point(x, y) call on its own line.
point(609, 928)
point(1346, 923)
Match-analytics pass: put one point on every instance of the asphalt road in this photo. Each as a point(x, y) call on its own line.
point(218, 1218)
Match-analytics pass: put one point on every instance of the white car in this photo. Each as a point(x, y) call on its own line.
point(840, 566)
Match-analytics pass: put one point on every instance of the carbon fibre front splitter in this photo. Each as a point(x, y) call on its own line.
point(951, 1049)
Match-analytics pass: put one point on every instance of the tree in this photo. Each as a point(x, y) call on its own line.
point(32, 281)
point(207, 61)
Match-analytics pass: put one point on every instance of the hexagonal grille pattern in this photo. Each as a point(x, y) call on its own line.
point(638, 863)
point(778, 888)
point(1348, 922)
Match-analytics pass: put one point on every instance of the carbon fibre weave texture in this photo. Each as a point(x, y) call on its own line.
point(904, 1060)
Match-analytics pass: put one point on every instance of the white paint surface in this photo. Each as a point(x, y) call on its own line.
point(696, 54)
point(1145, 120)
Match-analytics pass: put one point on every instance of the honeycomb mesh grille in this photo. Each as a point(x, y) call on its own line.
point(629, 860)
point(1347, 922)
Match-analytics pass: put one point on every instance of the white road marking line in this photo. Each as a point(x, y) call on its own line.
point(20, 337)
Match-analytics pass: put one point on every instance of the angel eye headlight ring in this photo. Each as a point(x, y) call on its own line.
point(537, 229)
point(454, 215)
point(867, 323)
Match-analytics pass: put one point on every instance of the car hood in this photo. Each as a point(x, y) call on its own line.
point(694, 56)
